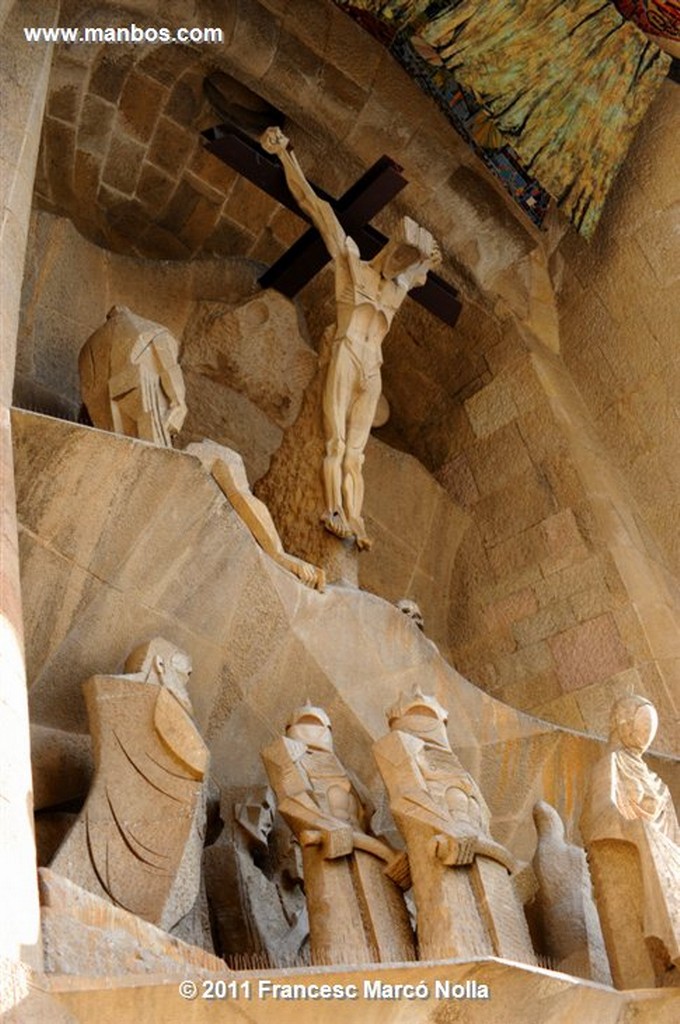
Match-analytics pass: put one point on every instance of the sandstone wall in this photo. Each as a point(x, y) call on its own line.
point(24, 78)
point(70, 284)
point(126, 541)
point(561, 598)
point(565, 593)
point(122, 156)
point(619, 321)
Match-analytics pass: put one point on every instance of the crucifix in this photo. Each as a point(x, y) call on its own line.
point(368, 293)
point(354, 209)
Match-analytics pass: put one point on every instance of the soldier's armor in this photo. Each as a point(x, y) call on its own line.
point(448, 784)
point(331, 787)
point(356, 912)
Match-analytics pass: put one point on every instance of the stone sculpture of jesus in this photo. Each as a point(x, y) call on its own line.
point(367, 296)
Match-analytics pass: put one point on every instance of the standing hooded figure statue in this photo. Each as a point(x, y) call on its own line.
point(631, 833)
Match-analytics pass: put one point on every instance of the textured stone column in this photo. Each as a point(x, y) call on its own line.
point(292, 490)
point(24, 73)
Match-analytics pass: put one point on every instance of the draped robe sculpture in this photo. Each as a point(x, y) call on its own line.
point(138, 840)
point(131, 380)
point(132, 384)
point(572, 936)
point(632, 837)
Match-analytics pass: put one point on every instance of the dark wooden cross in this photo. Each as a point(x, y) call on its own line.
point(305, 258)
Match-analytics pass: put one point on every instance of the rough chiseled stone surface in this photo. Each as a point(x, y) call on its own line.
point(85, 935)
point(155, 549)
point(258, 349)
point(415, 525)
point(246, 370)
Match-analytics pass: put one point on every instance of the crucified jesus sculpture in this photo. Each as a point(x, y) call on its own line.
point(367, 296)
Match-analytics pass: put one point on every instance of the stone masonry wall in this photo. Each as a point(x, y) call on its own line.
point(561, 601)
point(619, 321)
point(550, 583)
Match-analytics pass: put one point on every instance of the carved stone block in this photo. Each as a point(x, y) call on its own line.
point(139, 837)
